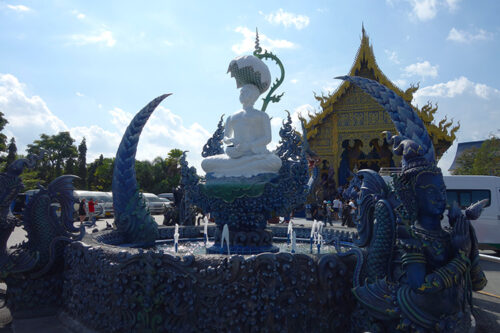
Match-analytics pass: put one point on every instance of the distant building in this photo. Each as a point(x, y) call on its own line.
point(347, 133)
point(461, 148)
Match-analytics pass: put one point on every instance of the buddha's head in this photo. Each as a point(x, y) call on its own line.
point(252, 76)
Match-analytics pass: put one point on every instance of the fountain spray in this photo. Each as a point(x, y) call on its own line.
point(176, 238)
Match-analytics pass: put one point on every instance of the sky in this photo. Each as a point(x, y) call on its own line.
point(88, 66)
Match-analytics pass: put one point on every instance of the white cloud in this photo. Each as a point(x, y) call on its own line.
point(329, 88)
point(301, 111)
point(462, 36)
point(474, 105)
point(164, 131)
point(79, 94)
point(452, 4)
point(19, 8)
point(287, 19)
point(422, 69)
point(78, 15)
point(276, 122)
point(103, 37)
point(99, 141)
point(455, 88)
point(248, 43)
point(424, 10)
point(393, 56)
point(168, 43)
point(28, 116)
point(294, 81)
point(400, 83)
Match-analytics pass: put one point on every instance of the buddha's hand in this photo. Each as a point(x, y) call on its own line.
point(460, 237)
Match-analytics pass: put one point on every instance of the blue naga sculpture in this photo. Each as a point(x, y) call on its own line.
point(132, 218)
point(412, 275)
point(33, 270)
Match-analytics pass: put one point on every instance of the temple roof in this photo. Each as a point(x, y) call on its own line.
point(364, 65)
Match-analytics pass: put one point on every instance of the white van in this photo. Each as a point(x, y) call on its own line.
point(466, 190)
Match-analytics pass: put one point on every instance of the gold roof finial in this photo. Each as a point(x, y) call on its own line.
point(363, 29)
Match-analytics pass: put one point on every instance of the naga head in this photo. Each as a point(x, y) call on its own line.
point(16, 168)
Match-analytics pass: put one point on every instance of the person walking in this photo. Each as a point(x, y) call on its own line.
point(352, 218)
point(81, 210)
point(329, 212)
point(92, 211)
point(337, 204)
point(345, 213)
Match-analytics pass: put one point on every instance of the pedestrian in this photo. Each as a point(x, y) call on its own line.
point(322, 212)
point(92, 211)
point(329, 212)
point(81, 210)
point(353, 207)
point(314, 211)
point(345, 212)
point(337, 204)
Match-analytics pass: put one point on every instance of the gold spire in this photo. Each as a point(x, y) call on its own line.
point(364, 65)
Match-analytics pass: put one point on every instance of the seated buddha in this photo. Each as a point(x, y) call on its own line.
point(248, 131)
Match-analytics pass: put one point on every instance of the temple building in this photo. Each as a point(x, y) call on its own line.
point(347, 133)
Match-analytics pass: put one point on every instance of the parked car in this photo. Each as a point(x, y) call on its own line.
point(169, 196)
point(154, 203)
point(167, 202)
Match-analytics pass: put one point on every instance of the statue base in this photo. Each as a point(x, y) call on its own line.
point(244, 242)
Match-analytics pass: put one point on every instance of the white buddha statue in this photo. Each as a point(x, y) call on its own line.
point(248, 131)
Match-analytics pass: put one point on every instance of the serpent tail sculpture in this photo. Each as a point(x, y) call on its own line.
point(132, 218)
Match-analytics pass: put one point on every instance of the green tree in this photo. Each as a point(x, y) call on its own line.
point(161, 175)
point(484, 160)
point(103, 175)
point(58, 149)
point(12, 152)
point(30, 179)
point(70, 168)
point(145, 177)
point(3, 138)
point(92, 181)
point(82, 164)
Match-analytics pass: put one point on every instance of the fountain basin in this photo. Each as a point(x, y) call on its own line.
point(111, 288)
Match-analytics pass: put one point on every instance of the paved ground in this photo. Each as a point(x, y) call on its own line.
point(486, 303)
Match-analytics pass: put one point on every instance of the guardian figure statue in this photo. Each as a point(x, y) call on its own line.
point(415, 275)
